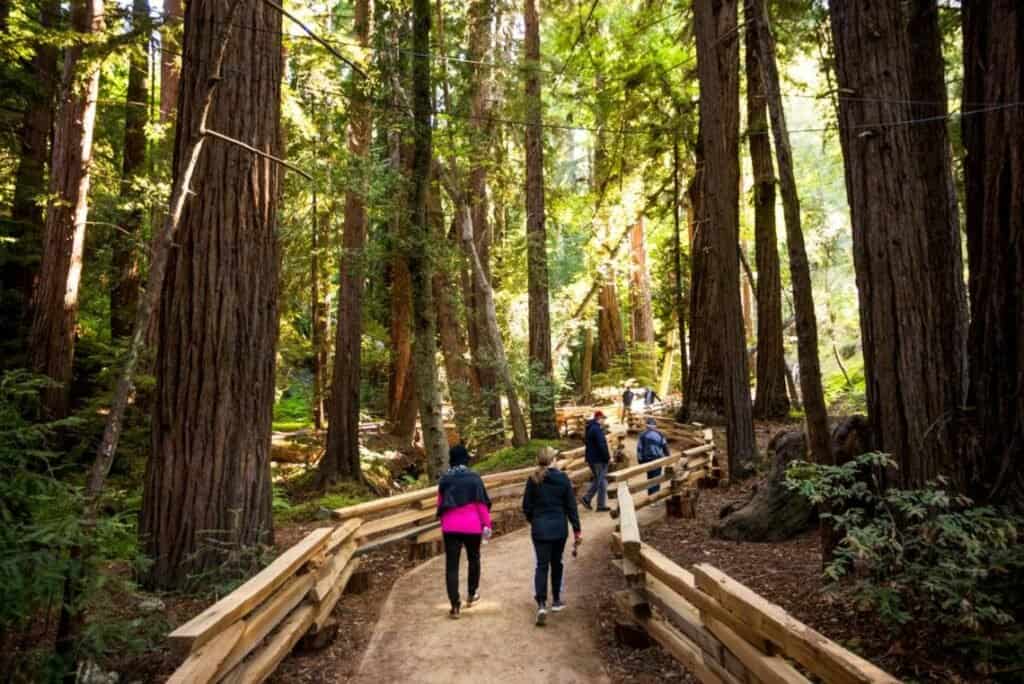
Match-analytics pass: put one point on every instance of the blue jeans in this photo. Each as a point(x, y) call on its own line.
point(549, 558)
point(599, 485)
point(651, 474)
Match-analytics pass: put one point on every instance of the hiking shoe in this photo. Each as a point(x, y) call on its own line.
point(454, 613)
point(473, 599)
point(542, 616)
point(586, 504)
point(557, 606)
point(603, 509)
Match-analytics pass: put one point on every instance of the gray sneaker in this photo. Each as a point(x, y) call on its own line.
point(542, 616)
point(557, 607)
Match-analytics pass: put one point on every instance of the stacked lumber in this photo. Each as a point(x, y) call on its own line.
point(721, 630)
point(245, 635)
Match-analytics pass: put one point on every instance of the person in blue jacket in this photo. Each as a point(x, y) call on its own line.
point(598, 457)
point(650, 446)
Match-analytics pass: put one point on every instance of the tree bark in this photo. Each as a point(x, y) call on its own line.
point(611, 340)
point(341, 457)
point(170, 61)
point(399, 392)
point(587, 366)
point(18, 276)
point(718, 71)
point(318, 322)
point(542, 400)
point(435, 441)
point(124, 292)
point(813, 398)
point(640, 287)
point(678, 271)
point(55, 302)
point(908, 269)
point(208, 489)
point(994, 175)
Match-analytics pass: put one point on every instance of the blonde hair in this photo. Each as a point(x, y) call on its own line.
point(545, 457)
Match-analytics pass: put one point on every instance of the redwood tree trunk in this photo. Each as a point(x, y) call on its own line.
point(55, 302)
point(907, 262)
point(208, 489)
point(718, 69)
point(611, 340)
point(770, 400)
point(435, 441)
point(21, 256)
point(679, 270)
point(124, 291)
point(318, 321)
point(818, 436)
point(170, 60)
point(341, 457)
point(542, 400)
point(994, 175)
point(400, 393)
point(640, 287)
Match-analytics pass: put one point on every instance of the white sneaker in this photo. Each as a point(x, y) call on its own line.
point(557, 607)
point(542, 616)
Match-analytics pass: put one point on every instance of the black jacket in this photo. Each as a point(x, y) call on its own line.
point(549, 504)
point(596, 444)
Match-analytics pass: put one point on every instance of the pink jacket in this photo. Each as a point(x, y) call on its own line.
point(469, 519)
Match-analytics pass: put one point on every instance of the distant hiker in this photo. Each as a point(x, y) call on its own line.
point(650, 396)
point(627, 403)
point(597, 457)
point(548, 503)
point(465, 512)
point(650, 446)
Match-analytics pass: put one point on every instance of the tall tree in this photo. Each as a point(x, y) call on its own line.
point(679, 268)
point(170, 59)
point(127, 278)
point(55, 302)
point(208, 489)
point(770, 400)
point(803, 297)
point(542, 403)
point(611, 340)
point(994, 175)
point(341, 457)
point(908, 266)
point(419, 252)
point(642, 315)
point(21, 263)
point(718, 72)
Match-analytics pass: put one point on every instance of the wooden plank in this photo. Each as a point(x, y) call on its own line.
point(202, 665)
point(391, 522)
point(341, 534)
point(256, 669)
point(682, 649)
point(229, 609)
point(385, 504)
point(810, 648)
point(642, 468)
point(769, 669)
point(267, 617)
point(396, 537)
point(629, 527)
point(641, 485)
point(682, 582)
point(683, 614)
point(431, 536)
point(698, 450)
point(327, 605)
point(329, 574)
point(643, 500)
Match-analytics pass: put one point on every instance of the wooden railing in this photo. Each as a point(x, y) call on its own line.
point(719, 629)
point(681, 471)
point(245, 635)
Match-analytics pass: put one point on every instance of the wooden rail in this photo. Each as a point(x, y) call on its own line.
point(718, 628)
point(244, 636)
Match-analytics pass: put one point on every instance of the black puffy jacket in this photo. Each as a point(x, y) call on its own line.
point(549, 505)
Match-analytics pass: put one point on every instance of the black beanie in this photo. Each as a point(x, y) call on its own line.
point(458, 455)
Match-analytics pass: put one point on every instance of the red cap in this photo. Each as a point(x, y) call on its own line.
point(598, 414)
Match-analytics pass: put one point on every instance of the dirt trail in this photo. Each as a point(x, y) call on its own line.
point(495, 640)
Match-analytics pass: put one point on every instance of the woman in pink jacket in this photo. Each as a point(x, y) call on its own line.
point(465, 512)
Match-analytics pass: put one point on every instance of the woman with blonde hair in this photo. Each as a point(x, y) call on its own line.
point(550, 507)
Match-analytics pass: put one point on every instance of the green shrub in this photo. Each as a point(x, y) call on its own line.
point(515, 457)
point(924, 557)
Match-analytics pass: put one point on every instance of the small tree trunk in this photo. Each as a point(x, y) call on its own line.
point(318, 323)
point(587, 367)
point(341, 457)
point(55, 304)
point(994, 175)
point(718, 67)
point(542, 404)
point(124, 292)
point(680, 266)
point(813, 398)
point(640, 287)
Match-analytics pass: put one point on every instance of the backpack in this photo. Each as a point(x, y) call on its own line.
point(654, 445)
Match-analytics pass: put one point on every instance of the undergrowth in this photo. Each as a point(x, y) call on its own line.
point(515, 457)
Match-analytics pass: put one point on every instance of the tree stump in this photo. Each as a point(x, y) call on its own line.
point(774, 512)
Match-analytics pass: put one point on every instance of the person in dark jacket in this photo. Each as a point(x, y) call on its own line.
point(627, 403)
point(650, 396)
point(650, 446)
point(464, 510)
point(548, 503)
point(597, 456)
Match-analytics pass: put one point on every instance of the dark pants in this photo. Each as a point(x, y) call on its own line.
point(651, 474)
point(453, 544)
point(549, 555)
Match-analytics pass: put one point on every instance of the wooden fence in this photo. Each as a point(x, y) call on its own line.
point(718, 628)
point(244, 636)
